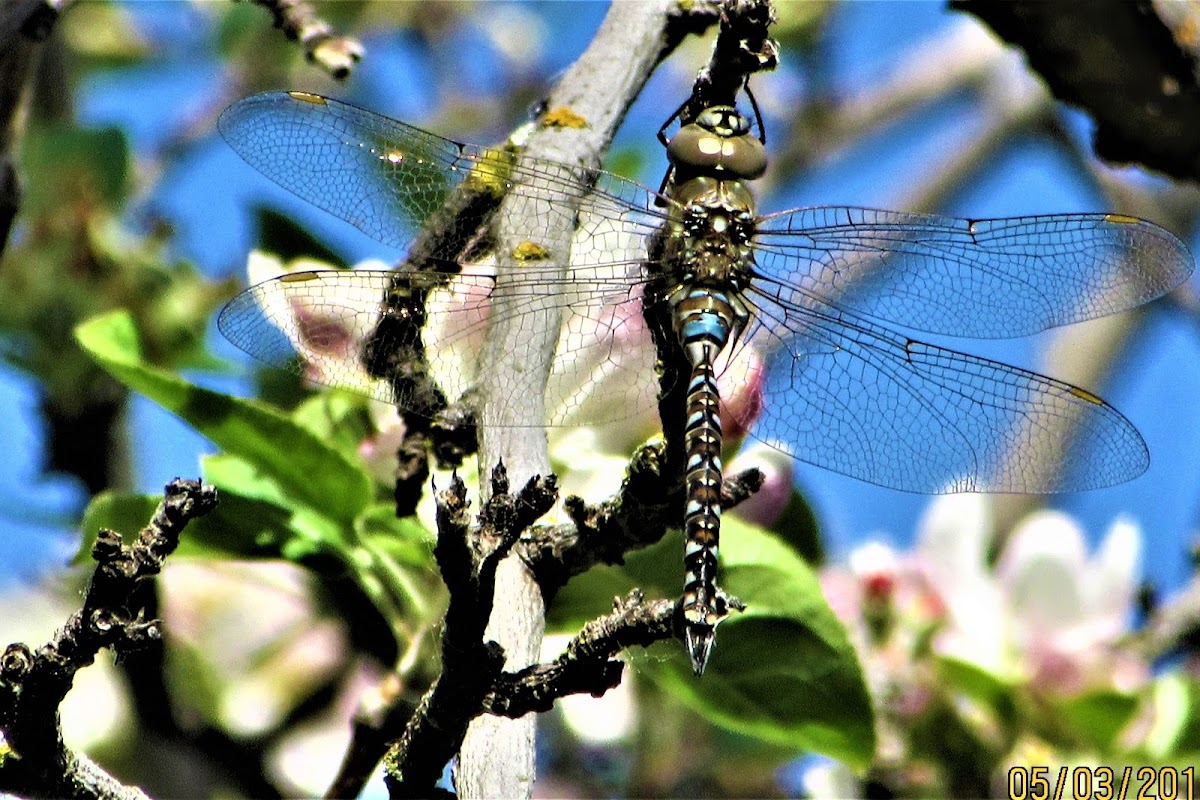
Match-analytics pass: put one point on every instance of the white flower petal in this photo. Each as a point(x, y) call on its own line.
point(1114, 573)
point(952, 538)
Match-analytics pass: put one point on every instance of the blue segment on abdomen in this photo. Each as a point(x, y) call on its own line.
point(710, 327)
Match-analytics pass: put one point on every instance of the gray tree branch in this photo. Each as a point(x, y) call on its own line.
point(497, 756)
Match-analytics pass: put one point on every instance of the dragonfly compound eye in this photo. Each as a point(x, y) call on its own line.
point(698, 148)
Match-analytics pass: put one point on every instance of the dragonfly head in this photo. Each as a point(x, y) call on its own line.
point(718, 143)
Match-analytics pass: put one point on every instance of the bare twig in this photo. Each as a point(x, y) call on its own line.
point(1173, 626)
point(470, 664)
point(638, 516)
point(376, 725)
point(33, 684)
point(588, 663)
point(24, 25)
point(742, 48)
point(335, 54)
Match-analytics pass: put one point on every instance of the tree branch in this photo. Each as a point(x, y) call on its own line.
point(470, 663)
point(497, 757)
point(1131, 66)
point(641, 513)
point(588, 664)
point(33, 684)
point(741, 49)
point(24, 26)
point(335, 54)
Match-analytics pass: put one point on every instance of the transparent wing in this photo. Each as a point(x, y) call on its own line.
point(325, 327)
point(994, 278)
point(861, 400)
point(396, 183)
point(850, 395)
point(391, 180)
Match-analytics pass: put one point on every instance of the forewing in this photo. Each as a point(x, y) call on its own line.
point(382, 176)
point(994, 278)
point(388, 178)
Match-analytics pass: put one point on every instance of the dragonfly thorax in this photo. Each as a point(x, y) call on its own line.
point(710, 242)
point(713, 195)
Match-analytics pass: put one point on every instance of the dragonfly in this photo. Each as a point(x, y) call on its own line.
point(829, 299)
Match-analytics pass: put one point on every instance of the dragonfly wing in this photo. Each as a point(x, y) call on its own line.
point(867, 402)
point(395, 182)
point(994, 278)
point(319, 324)
point(382, 176)
point(389, 179)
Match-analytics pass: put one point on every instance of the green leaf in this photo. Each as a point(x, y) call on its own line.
point(79, 163)
point(196, 680)
point(1176, 712)
point(253, 519)
point(237, 28)
point(591, 595)
point(626, 161)
point(1099, 717)
point(405, 540)
point(307, 530)
point(104, 36)
point(288, 239)
point(980, 685)
point(338, 418)
point(783, 670)
point(306, 469)
point(797, 525)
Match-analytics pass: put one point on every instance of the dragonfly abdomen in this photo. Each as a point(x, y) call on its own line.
point(704, 321)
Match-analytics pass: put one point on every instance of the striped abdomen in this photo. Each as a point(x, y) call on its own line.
point(704, 321)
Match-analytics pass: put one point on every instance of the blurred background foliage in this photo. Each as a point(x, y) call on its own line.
point(289, 612)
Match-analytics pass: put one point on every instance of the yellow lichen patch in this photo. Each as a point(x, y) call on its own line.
point(491, 172)
point(530, 251)
point(563, 117)
point(1084, 394)
point(306, 97)
point(1121, 219)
